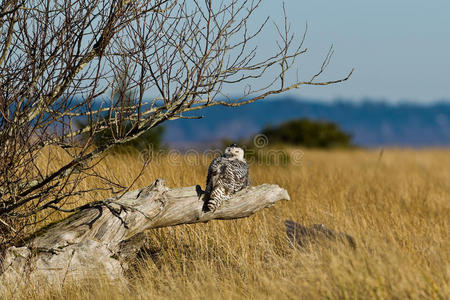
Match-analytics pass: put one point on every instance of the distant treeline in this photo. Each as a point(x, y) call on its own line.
point(371, 124)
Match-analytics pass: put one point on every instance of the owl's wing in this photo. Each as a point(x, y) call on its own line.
point(213, 174)
point(217, 188)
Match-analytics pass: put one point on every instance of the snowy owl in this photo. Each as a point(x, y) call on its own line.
point(227, 175)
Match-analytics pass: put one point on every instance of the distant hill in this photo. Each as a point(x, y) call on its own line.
point(371, 123)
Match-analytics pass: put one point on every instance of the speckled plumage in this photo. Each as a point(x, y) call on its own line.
point(227, 175)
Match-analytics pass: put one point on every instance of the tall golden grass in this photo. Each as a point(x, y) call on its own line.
point(396, 206)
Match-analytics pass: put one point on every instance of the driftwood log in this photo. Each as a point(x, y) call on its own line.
point(106, 235)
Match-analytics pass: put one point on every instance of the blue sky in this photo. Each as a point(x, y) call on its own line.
point(400, 49)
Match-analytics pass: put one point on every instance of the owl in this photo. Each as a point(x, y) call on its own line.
point(227, 175)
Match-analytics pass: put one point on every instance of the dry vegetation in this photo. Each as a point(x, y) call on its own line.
point(396, 206)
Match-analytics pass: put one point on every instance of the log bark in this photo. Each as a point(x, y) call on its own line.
point(106, 235)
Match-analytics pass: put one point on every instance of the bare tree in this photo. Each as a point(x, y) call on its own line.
point(60, 59)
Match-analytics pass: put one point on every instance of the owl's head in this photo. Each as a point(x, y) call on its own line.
point(234, 151)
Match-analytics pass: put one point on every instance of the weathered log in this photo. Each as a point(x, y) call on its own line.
point(107, 234)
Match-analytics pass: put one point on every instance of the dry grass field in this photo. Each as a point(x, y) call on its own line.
point(396, 206)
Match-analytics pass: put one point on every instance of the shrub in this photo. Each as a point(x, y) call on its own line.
point(304, 132)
